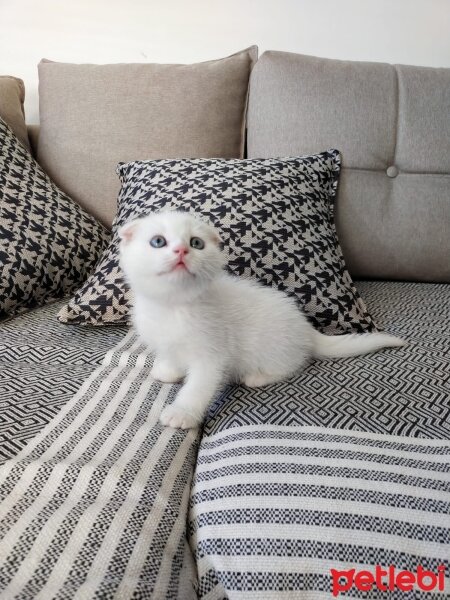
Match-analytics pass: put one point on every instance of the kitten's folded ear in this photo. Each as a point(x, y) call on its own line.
point(127, 231)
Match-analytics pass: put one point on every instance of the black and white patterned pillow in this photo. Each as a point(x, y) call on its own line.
point(276, 219)
point(48, 244)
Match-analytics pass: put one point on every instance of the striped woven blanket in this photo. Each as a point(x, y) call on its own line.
point(307, 487)
point(95, 505)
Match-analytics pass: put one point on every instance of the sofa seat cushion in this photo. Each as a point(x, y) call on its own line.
point(344, 466)
point(392, 126)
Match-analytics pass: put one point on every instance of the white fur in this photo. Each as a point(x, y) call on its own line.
point(210, 328)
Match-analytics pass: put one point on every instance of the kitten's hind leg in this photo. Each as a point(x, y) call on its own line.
point(163, 370)
point(256, 380)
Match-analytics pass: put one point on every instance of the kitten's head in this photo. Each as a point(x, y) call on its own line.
point(170, 253)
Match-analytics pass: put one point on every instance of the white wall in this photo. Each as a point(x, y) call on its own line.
point(399, 31)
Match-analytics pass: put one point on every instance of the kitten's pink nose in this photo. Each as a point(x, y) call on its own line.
point(181, 250)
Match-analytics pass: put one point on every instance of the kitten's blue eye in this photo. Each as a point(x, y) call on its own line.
point(158, 241)
point(197, 243)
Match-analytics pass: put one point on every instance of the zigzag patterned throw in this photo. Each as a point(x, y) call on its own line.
point(43, 364)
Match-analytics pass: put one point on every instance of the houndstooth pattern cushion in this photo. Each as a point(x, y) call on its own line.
point(48, 244)
point(274, 215)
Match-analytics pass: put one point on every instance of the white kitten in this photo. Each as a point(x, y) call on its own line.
point(209, 327)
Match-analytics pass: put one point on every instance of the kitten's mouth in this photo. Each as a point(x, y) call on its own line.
point(178, 267)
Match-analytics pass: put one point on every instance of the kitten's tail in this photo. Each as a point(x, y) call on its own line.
point(353, 344)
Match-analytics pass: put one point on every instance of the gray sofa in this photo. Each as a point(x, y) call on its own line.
point(346, 466)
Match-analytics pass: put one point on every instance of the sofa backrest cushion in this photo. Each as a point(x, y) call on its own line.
point(95, 116)
point(33, 138)
point(12, 96)
point(392, 126)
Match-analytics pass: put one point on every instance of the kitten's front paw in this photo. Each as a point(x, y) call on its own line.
point(173, 416)
point(165, 373)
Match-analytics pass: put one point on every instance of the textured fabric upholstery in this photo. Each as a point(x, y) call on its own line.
point(392, 126)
